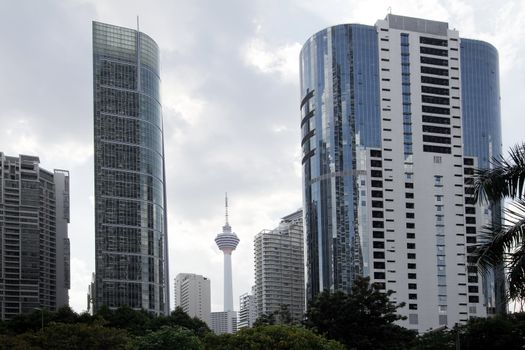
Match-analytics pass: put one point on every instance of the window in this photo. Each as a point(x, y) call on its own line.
point(436, 129)
point(438, 180)
point(411, 266)
point(375, 163)
point(433, 51)
point(378, 234)
point(435, 120)
point(434, 81)
point(435, 110)
point(412, 306)
point(412, 296)
point(411, 255)
point(437, 159)
point(411, 246)
point(436, 149)
point(379, 275)
point(411, 276)
point(409, 195)
point(379, 265)
point(379, 255)
point(436, 139)
point(412, 286)
point(411, 235)
point(409, 215)
point(409, 185)
point(435, 90)
point(433, 41)
point(435, 100)
point(435, 71)
point(410, 225)
point(379, 245)
point(434, 61)
point(409, 205)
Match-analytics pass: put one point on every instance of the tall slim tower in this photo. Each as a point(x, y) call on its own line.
point(227, 242)
point(130, 196)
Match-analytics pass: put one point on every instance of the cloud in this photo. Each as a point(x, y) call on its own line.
point(281, 60)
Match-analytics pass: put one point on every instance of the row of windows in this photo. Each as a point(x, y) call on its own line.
point(435, 100)
point(433, 41)
point(435, 71)
point(433, 80)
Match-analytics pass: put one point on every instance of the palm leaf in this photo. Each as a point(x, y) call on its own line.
point(496, 241)
point(506, 178)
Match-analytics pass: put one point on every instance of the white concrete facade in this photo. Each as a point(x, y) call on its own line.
point(224, 322)
point(247, 310)
point(412, 191)
point(192, 294)
point(279, 267)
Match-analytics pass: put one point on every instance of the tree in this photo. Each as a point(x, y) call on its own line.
point(173, 338)
point(275, 337)
point(503, 244)
point(60, 336)
point(280, 316)
point(363, 319)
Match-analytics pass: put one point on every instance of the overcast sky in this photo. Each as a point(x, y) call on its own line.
point(230, 94)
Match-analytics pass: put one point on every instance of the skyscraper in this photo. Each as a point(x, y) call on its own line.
point(34, 243)
point(279, 267)
point(247, 310)
point(130, 196)
point(394, 119)
point(192, 294)
point(227, 241)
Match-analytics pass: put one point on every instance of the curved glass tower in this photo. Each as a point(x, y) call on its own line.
point(130, 199)
point(339, 113)
point(395, 118)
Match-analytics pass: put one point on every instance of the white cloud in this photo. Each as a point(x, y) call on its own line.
point(282, 60)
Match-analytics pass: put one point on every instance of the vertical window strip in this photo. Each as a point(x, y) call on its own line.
point(407, 112)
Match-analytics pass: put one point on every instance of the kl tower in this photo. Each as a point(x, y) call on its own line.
point(227, 242)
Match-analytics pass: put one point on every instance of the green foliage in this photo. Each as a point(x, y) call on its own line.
point(61, 336)
point(173, 338)
point(275, 337)
point(280, 316)
point(362, 319)
point(503, 245)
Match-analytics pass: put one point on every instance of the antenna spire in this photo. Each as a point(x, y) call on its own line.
point(226, 207)
point(138, 29)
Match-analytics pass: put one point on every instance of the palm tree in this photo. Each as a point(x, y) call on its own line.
point(503, 244)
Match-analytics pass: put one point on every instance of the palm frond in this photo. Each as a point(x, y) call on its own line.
point(496, 241)
point(506, 178)
point(516, 276)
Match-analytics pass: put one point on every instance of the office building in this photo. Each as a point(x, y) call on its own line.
point(223, 322)
point(394, 119)
point(247, 310)
point(279, 268)
point(34, 243)
point(192, 294)
point(131, 266)
point(227, 241)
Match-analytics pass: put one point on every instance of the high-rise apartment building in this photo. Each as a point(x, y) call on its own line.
point(34, 243)
point(192, 294)
point(394, 119)
point(279, 267)
point(130, 197)
point(227, 241)
point(247, 310)
point(223, 322)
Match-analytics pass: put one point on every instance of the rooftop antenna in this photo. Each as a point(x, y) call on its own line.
point(226, 206)
point(389, 10)
point(138, 24)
